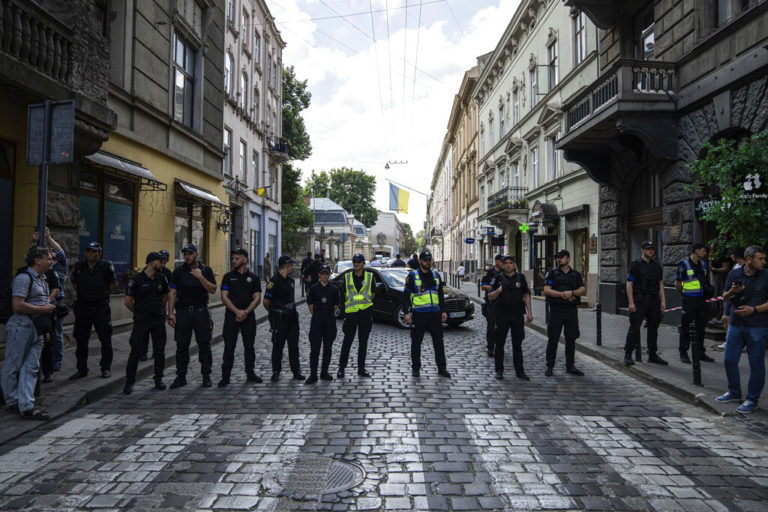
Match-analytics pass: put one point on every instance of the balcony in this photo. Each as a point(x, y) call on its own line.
point(632, 105)
point(278, 149)
point(507, 205)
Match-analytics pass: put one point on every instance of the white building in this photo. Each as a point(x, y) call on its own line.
point(252, 128)
point(387, 235)
point(440, 211)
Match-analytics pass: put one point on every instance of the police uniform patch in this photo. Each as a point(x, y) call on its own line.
point(323, 300)
point(270, 285)
point(248, 279)
point(517, 284)
point(159, 286)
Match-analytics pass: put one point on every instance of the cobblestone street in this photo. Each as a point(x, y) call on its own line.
point(393, 442)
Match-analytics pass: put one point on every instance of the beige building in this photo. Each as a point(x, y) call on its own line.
point(439, 206)
point(462, 135)
point(535, 201)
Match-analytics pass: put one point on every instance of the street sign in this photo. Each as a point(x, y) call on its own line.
point(60, 128)
point(490, 231)
point(469, 240)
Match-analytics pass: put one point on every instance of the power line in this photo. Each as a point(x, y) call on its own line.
point(345, 19)
point(378, 76)
point(351, 15)
point(454, 18)
point(389, 58)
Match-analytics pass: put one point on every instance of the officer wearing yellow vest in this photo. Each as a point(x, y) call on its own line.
point(424, 306)
point(358, 315)
point(692, 282)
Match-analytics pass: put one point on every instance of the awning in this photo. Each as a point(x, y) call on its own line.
point(544, 211)
point(200, 193)
point(127, 168)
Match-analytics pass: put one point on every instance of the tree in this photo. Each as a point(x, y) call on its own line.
point(420, 243)
point(351, 189)
point(735, 185)
point(295, 215)
point(409, 242)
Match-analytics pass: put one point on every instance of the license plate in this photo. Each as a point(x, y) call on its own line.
point(459, 314)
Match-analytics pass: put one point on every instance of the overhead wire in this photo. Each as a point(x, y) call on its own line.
point(351, 15)
point(461, 31)
point(378, 76)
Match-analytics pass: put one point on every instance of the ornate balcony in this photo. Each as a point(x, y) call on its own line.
point(633, 100)
point(278, 150)
point(507, 205)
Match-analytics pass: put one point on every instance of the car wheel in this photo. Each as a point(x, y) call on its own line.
point(398, 318)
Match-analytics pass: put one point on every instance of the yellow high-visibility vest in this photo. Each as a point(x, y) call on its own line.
point(358, 300)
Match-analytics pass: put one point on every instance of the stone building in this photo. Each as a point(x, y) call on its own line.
point(253, 150)
point(462, 135)
point(49, 50)
point(673, 76)
point(539, 202)
point(386, 235)
point(439, 210)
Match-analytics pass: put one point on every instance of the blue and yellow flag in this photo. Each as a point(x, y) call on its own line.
point(398, 199)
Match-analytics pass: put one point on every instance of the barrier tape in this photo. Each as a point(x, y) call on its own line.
point(713, 299)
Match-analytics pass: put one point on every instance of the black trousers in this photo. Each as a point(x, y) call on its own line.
point(139, 341)
point(360, 322)
point(694, 309)
point(433, 323)
point(198, 321)
point(247, 329)
point(566, 321)
point(490, 327)
point(514, 323)
point(322, 333)
point(287, 331)
point(98, 317)
point(647, 309)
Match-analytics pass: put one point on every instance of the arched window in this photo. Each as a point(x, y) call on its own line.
point(228, 64)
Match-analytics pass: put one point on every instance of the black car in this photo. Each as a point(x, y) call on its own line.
point(388, 298)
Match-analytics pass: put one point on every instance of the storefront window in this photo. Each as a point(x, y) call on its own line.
point(189, 227)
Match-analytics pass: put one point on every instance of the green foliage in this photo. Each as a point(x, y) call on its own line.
point(409, 241)
point(296, 97)
point(351, 189)
point(728, 175)
point(295, 216)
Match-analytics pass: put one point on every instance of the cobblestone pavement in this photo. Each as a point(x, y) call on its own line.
point(392, 442)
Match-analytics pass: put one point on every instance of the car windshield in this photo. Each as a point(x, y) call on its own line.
point(341, 266)
point(395, 277)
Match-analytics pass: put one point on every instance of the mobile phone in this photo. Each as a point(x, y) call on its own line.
point(737, 283)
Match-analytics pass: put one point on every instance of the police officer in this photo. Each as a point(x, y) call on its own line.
point(563, 287)
point(146, 296)
point(280, 301)
point(322, 300)
point(512, 299)
point(94, 280)
point(691, 281)
point(488, 309)
point(165, 271)
point(424, 306)
point(399, 261)
point(305, 278)
point(241, 294)
point(358, 314)
point(191, 284)
point(645, 291)
point(413, 263)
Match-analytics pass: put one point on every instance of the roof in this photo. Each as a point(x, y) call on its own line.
point(323, 203)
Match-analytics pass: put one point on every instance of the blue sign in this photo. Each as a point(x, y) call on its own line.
point(490, 231)
point(469, 240)
point(118, 235)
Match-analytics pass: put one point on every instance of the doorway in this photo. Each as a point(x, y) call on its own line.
point(544, 249)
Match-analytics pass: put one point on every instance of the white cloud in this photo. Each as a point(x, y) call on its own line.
point(346, 121)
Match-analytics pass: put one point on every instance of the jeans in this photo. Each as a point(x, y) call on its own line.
point(755, 340)
point(20, 368)
point(58, 342)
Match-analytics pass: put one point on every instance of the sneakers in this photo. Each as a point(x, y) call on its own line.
point(252, 377)
point(160, 386)
point(178, 382)
point(499, 376)
point(728, 397)
point(78, 375)
point(311, 380)
point(574, 371)
point(657, 360)
point(628, 361)
point(340, 373)
point(705, 358)
point(444, 373)
point(326, 376)
point(364, 373)
point(747, 407)
point(223, 383)
point(105, 374)
point(521, 375)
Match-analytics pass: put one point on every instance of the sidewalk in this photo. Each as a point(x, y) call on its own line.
point(62, 395)
point(675, 379)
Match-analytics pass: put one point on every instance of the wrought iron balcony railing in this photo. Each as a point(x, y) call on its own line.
point(512, 197)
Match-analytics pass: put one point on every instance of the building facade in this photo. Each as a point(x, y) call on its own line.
point(462, 135)
point(674, 75)
point(254, 153)
point(334, 230)
point(386, 235)
point(538, 201)
point(439, 210)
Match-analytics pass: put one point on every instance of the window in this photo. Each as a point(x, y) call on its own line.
point(106, 216)
point(534, 168)
point(255, 246)
point(255, 165)
point(501, 122)
point(269, 69)
point(515, 177)
point(184, 81)
point(534, 79)
point(553, 162)
point(243, 161)
point(482, 198)
point(227, 152)
point(243, 100)
point(580, 37)
point(231, 11)
point(256, 99)
point(490, 130)
point(482, 139)
point(490, 187)
point(515, 107)
point(552, 66)
point(645, 39)
point(274, 76)
point(256, 47)
point(228, 64)
point(245, 31)
point(190, 224)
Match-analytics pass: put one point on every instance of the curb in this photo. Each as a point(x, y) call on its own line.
point(661, 385)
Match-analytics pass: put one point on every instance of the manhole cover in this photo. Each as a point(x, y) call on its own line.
point(320, 475)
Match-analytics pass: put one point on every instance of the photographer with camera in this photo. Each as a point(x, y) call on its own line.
point(25, 331)
point(747, 291)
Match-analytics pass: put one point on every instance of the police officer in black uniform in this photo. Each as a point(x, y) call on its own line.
point(413, 263)
point(645, 291)
point(563, 288)
point(399, 261)
point(280, 302)
point(424, 306)
point(512, 299)
point(191, 284)
point(94, 280)
point(241, 295)
point(166, 272)
point(147, 295)
point(305, 279)
point(322, 300)
point(488, 309)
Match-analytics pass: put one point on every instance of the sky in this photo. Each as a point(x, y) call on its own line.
point(388, 100)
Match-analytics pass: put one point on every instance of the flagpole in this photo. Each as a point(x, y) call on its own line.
point(406, 186)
